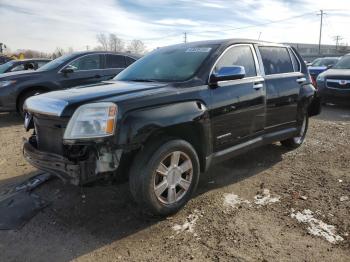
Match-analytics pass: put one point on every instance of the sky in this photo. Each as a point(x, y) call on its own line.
point(44, 25)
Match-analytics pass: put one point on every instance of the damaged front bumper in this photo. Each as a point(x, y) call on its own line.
point(52, 163)
point(75, 172)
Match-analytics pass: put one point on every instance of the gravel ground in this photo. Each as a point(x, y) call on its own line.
point(267, 205)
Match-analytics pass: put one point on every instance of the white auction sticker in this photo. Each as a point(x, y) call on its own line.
point(198, 50)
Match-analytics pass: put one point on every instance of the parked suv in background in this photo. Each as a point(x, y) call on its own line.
point(334, 84)
point(171, 115)
point(320, 65)
point(22, 65)
point(81, 68)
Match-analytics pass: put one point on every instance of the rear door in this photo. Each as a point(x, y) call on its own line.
point(114, 65)
point(283, 80)
point(238, 111)
point(88, 69)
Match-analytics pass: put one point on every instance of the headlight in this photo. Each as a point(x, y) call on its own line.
point(7, 83)
point(92, 121)
point(320, 78)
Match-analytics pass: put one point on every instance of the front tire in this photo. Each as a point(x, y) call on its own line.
point(23, 98)
point(164, 176)
point(298, 140)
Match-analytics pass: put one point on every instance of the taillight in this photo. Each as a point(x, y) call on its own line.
point(313, 80)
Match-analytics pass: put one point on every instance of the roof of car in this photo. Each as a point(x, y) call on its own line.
point(135, 56)
point(233, 41)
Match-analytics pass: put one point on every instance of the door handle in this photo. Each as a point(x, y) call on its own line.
point(97, 76)
point(257, 86)
point(301, 80)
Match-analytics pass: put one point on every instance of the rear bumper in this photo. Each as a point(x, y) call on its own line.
point(52, 163)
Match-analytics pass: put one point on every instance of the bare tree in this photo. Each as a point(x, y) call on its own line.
point(115, 44)
point(102, 39)
point(137, 47)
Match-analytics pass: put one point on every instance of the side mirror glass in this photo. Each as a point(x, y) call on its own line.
point(68, 69)
point(227, 73)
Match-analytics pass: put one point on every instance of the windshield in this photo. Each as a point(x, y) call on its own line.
point(56, 63)
point(169, 64)
point(325, 62)
point(4, 67)
point(344, 63)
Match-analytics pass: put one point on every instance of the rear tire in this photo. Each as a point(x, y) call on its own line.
point(297, 141)
point(164, 176)
point(23, 98)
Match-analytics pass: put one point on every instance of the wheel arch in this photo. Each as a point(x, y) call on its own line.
point(30, 89)
point(186, 120)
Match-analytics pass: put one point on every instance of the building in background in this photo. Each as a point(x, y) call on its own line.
point(310, 51)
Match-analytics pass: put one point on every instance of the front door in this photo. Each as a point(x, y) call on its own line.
point(238, 111)
point(88, 69)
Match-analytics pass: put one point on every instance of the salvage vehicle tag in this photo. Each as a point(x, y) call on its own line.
point(198, 50)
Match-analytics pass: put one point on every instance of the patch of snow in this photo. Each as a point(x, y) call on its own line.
point(344, 198)
point(234, 201)
point(266, 198)
point(190, 223)
point(316, 226)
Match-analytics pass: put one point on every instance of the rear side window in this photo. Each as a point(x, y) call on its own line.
point(276, 60)
point(295, 61)
point(239, 56)
point(115, 61)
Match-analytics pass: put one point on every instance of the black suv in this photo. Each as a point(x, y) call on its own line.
point(171, 115)
point(67, 71)
point(22, 65)
point(334, 84)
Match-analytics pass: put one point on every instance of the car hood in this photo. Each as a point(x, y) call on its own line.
point(19, 75)
point(342, 73)
point(63, 103)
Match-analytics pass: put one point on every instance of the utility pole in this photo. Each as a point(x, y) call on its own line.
point(337, 38)
point(185, 37)
point(320, 39)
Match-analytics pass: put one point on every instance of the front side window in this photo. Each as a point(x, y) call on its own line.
point(238, 56)
point(168, 64)
point(88, 62)
point(276, 60)
point(115, 61)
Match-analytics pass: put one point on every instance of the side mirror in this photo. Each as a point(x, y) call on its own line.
point(68, 69)
point(329, 66)
point(227, 73)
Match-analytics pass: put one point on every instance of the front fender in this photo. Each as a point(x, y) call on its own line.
point(137, 126)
